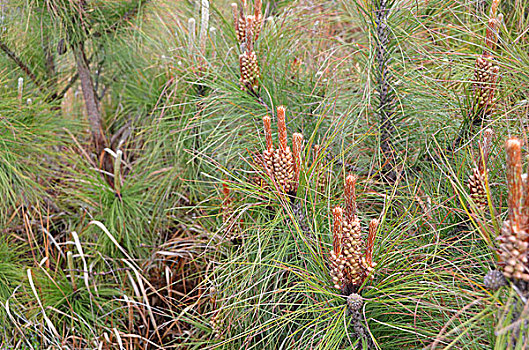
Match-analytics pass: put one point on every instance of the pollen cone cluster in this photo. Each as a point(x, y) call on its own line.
point(247, 30)
point(486, 74)
point(249, 70)
point(282, 164)
point(477, 182)
point(485, 83)
point(247, 23)
point(514, 237)
point(351, 257)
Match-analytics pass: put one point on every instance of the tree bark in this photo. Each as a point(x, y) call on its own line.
point(92, 104)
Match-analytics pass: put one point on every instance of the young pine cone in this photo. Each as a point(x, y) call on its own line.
point(494, 280)
point(354, 302)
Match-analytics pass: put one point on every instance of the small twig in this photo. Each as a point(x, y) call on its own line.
point(259, 99)
point(22, 66)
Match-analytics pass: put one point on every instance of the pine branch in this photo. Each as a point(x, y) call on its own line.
point(22, 66)
point(385, 92)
